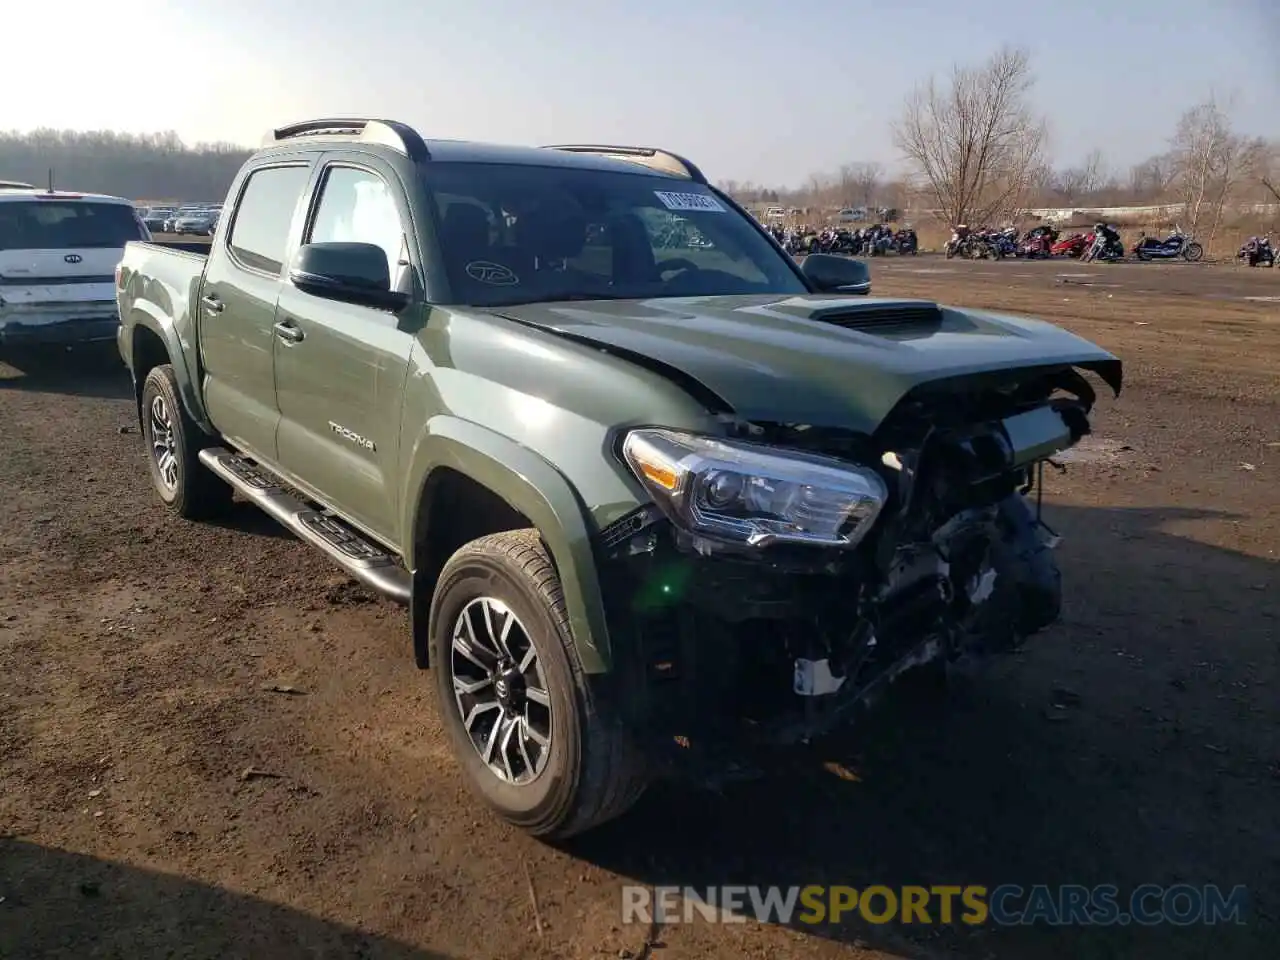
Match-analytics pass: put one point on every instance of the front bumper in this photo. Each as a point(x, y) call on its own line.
point(65, 332)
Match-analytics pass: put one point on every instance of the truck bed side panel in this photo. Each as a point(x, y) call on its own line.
point(159, 290)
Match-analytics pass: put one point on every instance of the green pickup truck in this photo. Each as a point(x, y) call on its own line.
point(650, 500)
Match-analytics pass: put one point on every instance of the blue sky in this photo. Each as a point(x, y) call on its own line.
point(766, 91)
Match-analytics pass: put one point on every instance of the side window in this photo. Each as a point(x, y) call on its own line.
point(260, 231)
point(358, 207)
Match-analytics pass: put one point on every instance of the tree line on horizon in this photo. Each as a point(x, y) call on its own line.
point(157, 166)
point(975, 150)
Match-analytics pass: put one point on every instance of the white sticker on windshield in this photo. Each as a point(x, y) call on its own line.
point(689, 201)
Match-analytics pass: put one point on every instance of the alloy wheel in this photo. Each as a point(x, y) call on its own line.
point(164, 447)
point(500, 691)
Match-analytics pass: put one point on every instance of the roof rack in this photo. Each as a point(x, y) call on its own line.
point(650, 157)
point(390, 133)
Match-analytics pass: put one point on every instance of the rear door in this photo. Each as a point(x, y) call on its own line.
point(237, 304)
point(340, 382)
point(58, 255)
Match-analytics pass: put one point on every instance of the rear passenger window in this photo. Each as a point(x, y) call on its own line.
point(358, 207)
point(260, 232)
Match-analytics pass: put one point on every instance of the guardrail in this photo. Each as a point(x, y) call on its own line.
point(1156, 210)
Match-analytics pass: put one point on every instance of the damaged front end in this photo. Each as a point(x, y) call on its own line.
point(784, 575)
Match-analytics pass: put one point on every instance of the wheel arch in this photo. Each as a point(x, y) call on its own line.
point(152, 341)
point(465, 479)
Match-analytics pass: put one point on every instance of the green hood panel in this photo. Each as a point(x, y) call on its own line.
point(815, 359)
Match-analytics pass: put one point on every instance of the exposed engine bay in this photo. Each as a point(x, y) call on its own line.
point(779, 636)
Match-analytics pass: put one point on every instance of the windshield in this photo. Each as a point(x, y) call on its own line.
point(515, 234)
point(63, 225)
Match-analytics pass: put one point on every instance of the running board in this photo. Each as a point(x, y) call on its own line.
point(367, 562)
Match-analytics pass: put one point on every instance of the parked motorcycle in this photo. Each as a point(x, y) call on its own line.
point(878, 241)
point(1104, 248)
point(1038, 243)
point(959, 237)
point(1174, 247)
point(1258, 252)
point(973, 245)
point(1073, 246)
point(906, 242)
point(987, 243)
point(1004, 242)
point(801, 242)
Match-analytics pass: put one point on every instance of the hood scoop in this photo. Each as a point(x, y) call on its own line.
point(912, 317)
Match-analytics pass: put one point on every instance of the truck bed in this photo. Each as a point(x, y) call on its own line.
point(166, 275)
point(198, 247)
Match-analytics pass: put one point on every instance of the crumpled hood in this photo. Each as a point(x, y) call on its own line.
point(814, 359)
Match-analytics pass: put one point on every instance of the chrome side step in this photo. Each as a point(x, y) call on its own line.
point(355, 553)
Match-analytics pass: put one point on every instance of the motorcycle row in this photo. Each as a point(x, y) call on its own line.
point(1103, 243)
point(873, 241)
point(985, 243)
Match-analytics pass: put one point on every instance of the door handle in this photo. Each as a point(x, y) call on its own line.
point(212, 303)
point(288, 331)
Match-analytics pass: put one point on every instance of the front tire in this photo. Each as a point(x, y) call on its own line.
point(173, 448)
point(1193, 252)
point(534, 741)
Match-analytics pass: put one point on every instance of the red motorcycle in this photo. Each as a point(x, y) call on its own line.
point(1038, 243)
point(1073, 246)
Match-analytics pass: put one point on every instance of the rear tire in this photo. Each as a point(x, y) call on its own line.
point(588, 771)
point(174, 442)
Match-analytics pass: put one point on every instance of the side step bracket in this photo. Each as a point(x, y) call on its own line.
point(360, 557)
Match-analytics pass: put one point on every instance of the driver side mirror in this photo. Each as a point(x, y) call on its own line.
point(349, 272)
point(828, 273)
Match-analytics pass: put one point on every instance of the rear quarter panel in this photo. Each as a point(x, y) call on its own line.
point(158, 290)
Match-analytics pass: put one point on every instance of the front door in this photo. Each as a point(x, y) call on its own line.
point(340, 377)
point(237, 306)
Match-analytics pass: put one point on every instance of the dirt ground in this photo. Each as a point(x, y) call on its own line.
point(157, 798)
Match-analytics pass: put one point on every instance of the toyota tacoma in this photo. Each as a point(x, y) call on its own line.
point(642, 498)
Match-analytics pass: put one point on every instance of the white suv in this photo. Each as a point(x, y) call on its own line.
point(58, 255)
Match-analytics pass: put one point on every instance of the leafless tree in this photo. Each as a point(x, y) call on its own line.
point(1210, 161)
point(860, 183)
point(1269, 169)
point(975, 142)
point(1151, 179)
point(1081, 182)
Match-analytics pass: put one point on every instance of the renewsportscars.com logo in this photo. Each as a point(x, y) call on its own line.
point(1006, 905)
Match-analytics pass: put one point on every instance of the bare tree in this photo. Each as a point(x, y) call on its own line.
point(1151, 179)
point(861, 181)
point(1079, 183)
point(1210, 161)
point(1269, 169)
point(1069, 185)
point(1096, 171)
point(975, 142)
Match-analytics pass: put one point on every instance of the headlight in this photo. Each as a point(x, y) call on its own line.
point(752, 494)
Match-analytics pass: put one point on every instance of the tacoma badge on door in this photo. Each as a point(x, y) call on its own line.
point(351, 435)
